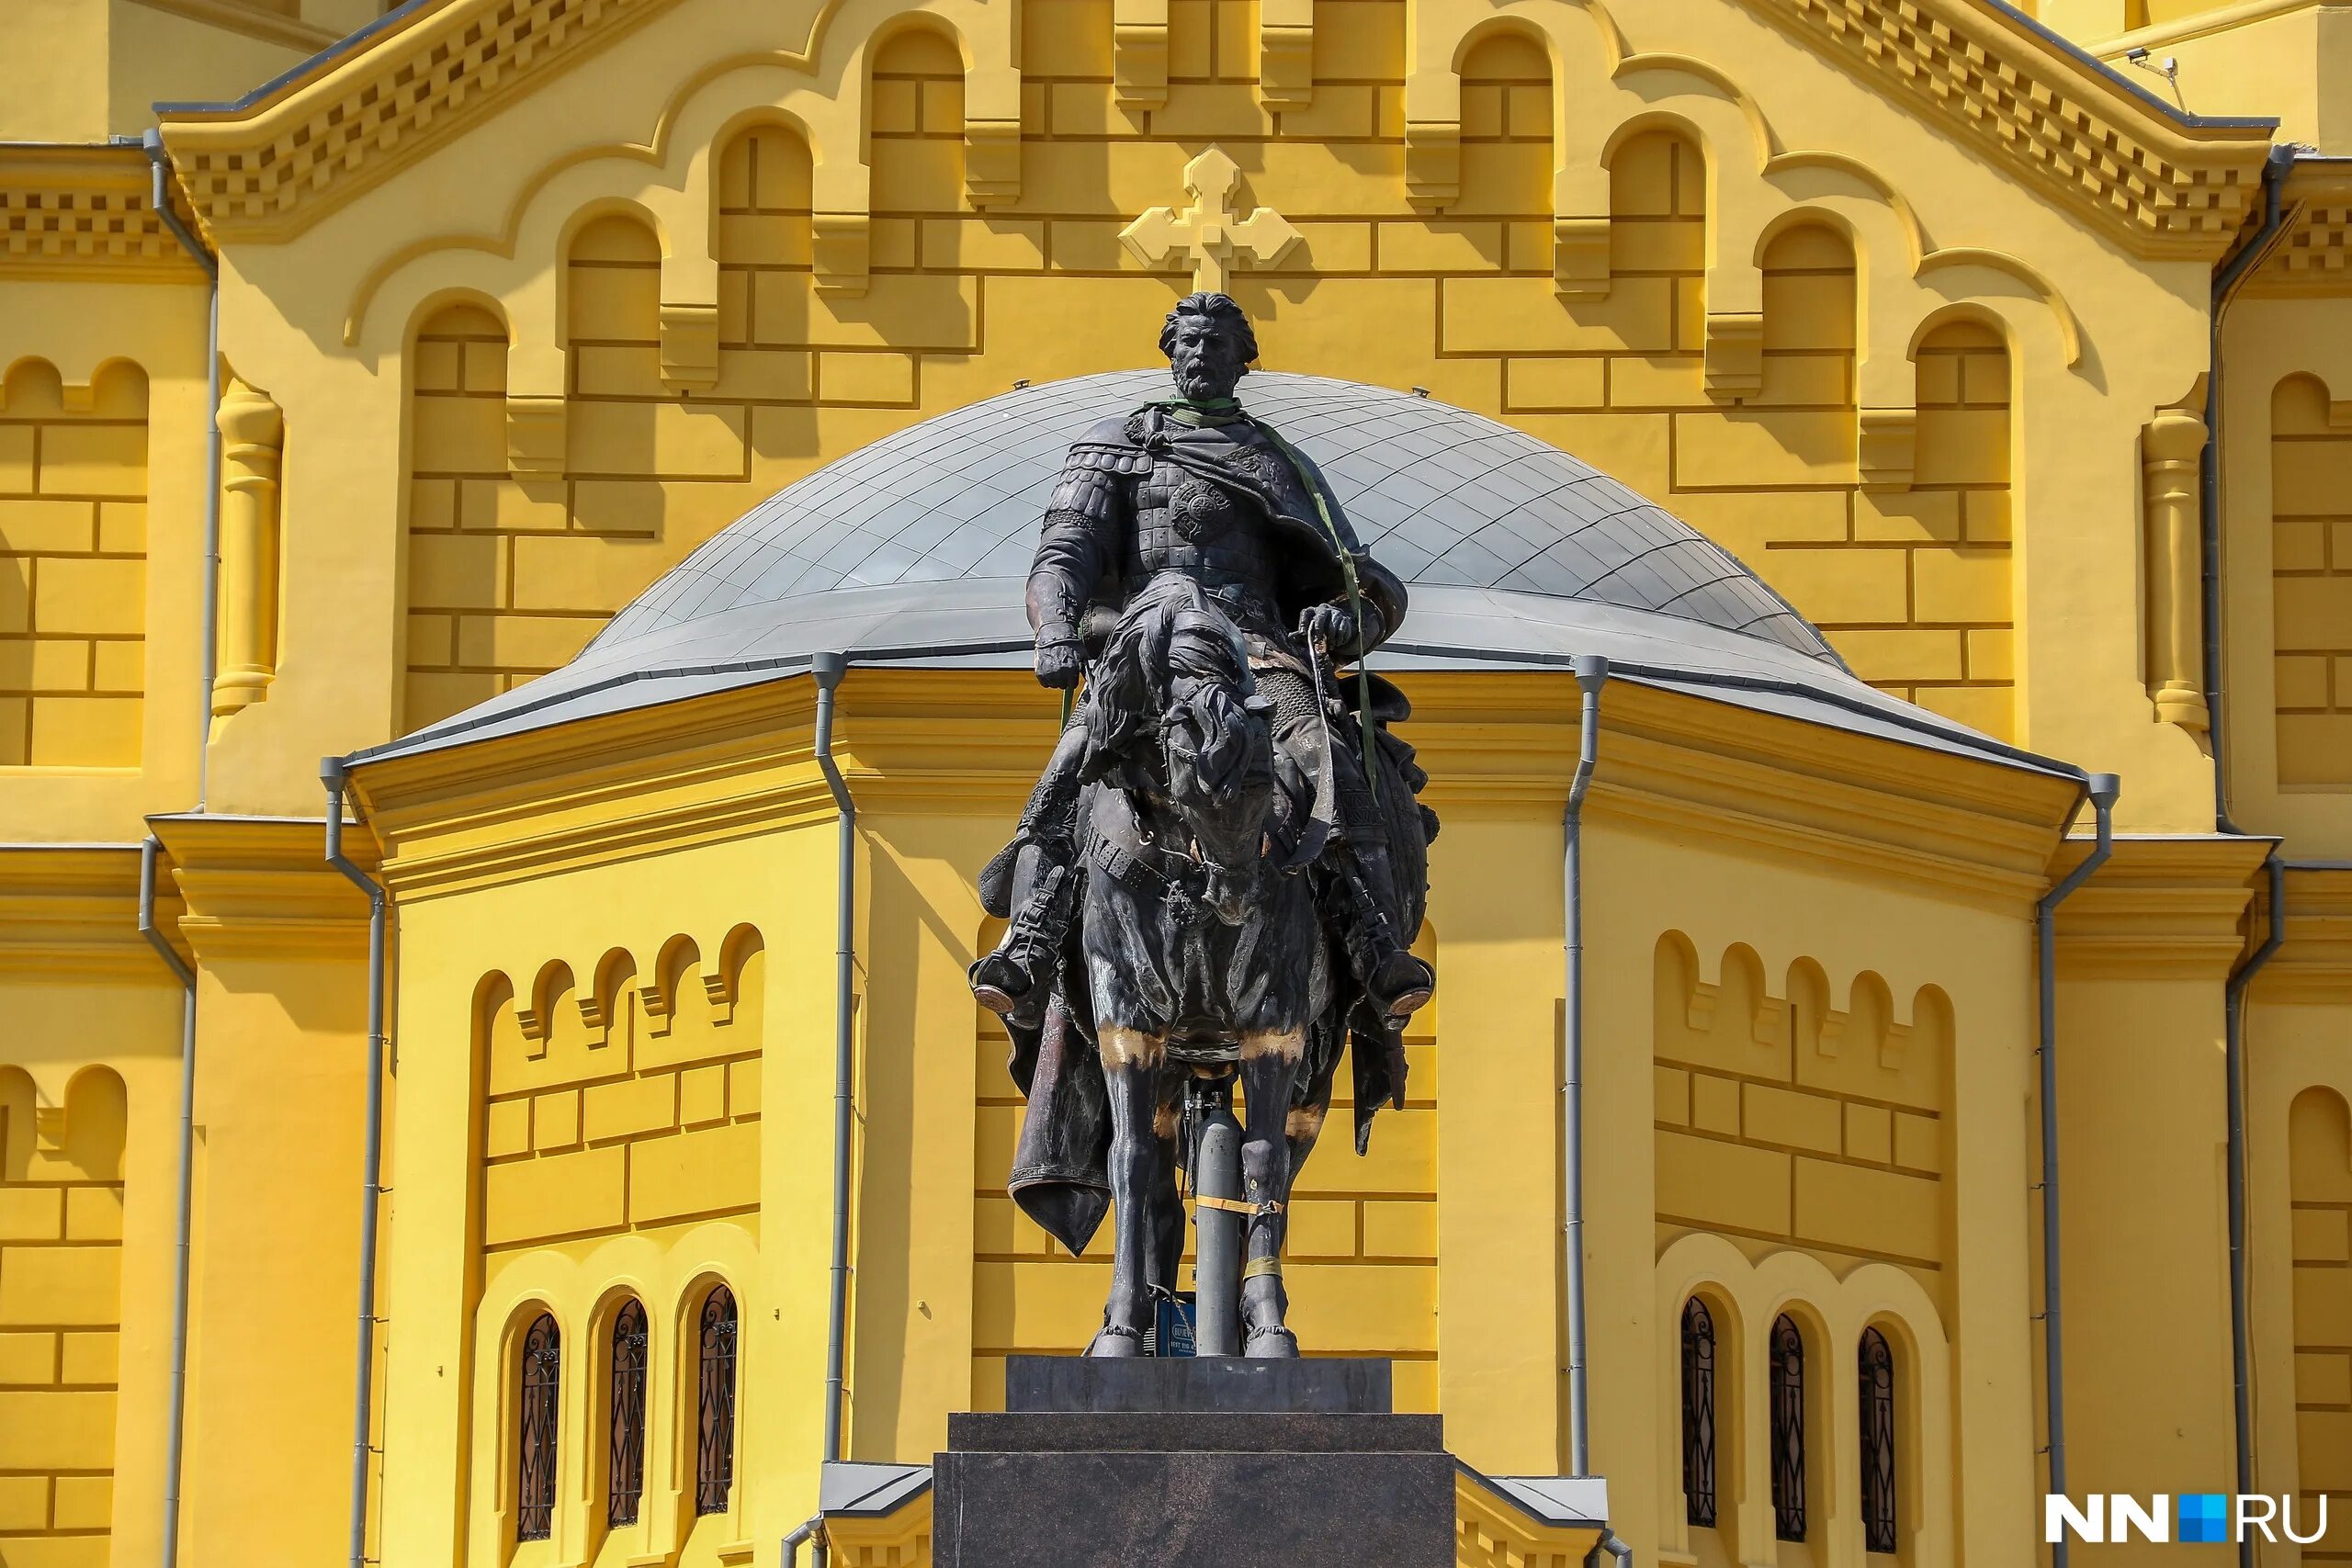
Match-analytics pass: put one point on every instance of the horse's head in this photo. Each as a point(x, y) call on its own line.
point(1177, 668)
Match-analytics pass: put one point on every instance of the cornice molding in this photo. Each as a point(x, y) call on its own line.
point(738, 764)
point(260, 889)
point(82, 211)
point(234, 16)
point(2156, 183)
point(265, 171)
point(2314, 963)
point(2314, 255)
point(2170, 908)
point(74, 910)
point(262, 171)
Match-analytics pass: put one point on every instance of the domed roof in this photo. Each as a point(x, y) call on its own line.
point(915, 551)
point(1441, 496)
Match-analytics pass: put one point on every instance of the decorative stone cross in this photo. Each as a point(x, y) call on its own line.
point(1212, 228)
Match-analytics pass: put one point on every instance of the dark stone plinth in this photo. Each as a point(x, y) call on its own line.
point(1128, 1432)
point(1181, 1464)
point(1333, 1385)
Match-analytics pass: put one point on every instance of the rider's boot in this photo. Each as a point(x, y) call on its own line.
point(1008, 981)
point(1361, 908)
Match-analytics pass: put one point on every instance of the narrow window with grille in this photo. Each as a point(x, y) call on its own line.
point(1879, 1520)
point(1788, 1430)
point(625, 1484)
point(1698, 1412)
point(538, 1409)
point(715, 1449)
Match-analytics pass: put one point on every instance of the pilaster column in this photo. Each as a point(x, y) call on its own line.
point(253, 437)
point(2169, 448)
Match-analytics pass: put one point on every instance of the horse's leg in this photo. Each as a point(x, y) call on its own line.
point(1130, 1072)
point(1269, 1064)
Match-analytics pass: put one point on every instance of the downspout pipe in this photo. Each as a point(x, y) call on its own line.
point(332, 773)
point(176, 1431)
point(159, 165)
point(2234, 1056)
point(2225, 283)
point(2102, 788)
point(800, 1533)
point(1612, 1546)
point(1591, 672)
point(827, 670)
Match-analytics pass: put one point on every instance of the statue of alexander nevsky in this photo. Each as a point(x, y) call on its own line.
point(1220, 875)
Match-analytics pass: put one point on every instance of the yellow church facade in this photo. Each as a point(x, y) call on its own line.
point(2012, 350)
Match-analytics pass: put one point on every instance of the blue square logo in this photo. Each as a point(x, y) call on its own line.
point(2204, 1516)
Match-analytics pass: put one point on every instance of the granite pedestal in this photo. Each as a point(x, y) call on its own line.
point(1193, 1463)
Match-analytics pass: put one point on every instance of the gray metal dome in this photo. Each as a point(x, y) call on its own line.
point(916, 550)
point(1442, 496)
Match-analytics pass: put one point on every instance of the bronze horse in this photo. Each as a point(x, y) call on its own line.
point(1201, 948)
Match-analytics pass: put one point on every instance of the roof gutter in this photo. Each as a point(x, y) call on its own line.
point(2225, 285)
point(2102, 788)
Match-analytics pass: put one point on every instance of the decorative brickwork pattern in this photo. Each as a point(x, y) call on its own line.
point(614, 1104)
point(60, 1287)
point(2320, 1185)
point(428, 81)
point(73, 568)
point(2311, 566)
point(1359, 1263)
point(1788, 1120)
point(73, 209)
point(1943, 59)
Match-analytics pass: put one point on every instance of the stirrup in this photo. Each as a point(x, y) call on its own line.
point(986, 977)
point(1413, 997)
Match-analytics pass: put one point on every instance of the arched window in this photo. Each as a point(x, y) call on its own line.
point(625, 1484)
point(1788, 1430)
point(539, 1374)
point(1698, 1412)
point(1878, 1442)
point(714, 1453)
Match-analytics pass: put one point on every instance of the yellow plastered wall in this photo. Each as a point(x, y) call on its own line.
point(1783, 1120)
point(1360, 1261)
point(2320, 1165)
point(73, 568)
point(61, 1312)
point(614, 1105)
point(2311, 565)
point(621, 1131)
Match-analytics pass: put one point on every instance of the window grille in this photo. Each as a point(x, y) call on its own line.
point(715, 1452)
point(1788, 1430)
point(1698, 1412)
point(538, 1412)
point(625, 1484)
point(1879, 1533)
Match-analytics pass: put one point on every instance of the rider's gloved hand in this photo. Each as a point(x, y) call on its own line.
point(1060, 664)
point(1330, 624)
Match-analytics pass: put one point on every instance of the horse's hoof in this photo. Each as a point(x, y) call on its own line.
point(1116, 1341)
point(1270, 1342)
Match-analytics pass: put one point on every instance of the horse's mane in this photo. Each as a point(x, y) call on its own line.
point(1173, 654)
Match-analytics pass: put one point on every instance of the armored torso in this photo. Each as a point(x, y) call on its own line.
point(1191, 518)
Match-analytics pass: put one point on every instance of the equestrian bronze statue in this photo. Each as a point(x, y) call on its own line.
point(1219, 878)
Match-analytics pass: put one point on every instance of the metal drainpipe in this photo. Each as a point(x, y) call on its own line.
point(1591, 673)
point(187, 978)
point(159, 196)
point(2209, 475)
point(792, 1542)
point(827, 670)
point(1612, 1546)
point(332, 773)
point(2234, 1025)
point(2102, 788)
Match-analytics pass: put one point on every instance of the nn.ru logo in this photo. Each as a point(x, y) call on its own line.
point(2118, 1516)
